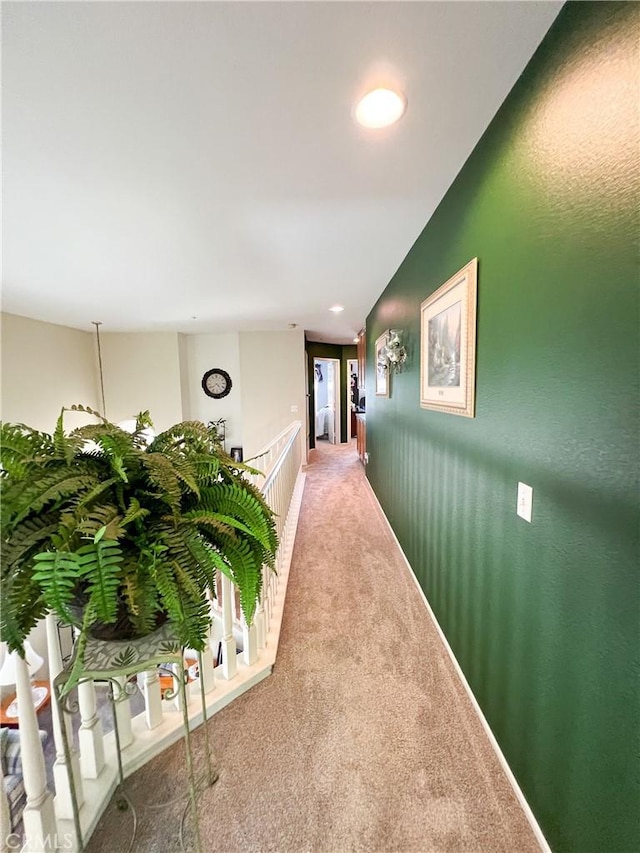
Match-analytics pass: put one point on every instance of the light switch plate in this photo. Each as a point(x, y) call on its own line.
point(524, 505)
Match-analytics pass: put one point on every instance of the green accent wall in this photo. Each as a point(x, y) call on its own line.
point(544, 618)
point(343, 353)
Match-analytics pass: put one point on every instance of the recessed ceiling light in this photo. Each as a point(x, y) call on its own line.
point(336, 309)
point(380, 108)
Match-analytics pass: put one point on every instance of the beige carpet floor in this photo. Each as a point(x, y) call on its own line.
point(363, 739)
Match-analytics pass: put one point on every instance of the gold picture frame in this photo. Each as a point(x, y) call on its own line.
point(448, 345)
point(382, 368)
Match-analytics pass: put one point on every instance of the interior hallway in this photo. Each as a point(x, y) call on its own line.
point(363, 739)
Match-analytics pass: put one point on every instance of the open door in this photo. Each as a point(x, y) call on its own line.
point(327, 399)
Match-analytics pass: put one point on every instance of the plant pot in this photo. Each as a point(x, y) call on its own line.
point(121, 629)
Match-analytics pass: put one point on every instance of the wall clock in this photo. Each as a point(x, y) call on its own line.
point(216, 383)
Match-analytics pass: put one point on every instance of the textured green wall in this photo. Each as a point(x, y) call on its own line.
point(343, 353)
point(544, 618)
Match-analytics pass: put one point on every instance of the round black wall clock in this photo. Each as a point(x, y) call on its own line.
point(216, 383)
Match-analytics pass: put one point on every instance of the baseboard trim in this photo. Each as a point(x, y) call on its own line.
point(526, 808)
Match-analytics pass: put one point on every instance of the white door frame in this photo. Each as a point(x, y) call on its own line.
point(350, 362)
point(337, 433)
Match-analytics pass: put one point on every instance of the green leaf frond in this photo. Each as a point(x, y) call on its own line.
point(65, 446)
point(163, 477)
point(87, 524)
point(186, 473)
point(189, 615)
point(134, 512)
point(99, 564)
point(186, 549)
point(27, 539)
point(97, 492)
point(190, 437)
point(23, 606)
point(53, 487)
point(78, 407)
point(142, 598)
point(237, 502)
point(246, 574)
point(19, 445)
point(212, 523)
point(207, 469)
point(57, 574)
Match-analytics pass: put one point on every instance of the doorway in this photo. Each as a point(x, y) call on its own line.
point(326, 386)
point(352, 396)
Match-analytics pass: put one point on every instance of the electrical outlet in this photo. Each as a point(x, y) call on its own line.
point(294, 410)
point(366, 458)
point(524, 505)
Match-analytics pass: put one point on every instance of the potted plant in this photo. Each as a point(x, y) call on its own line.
point(105, 529)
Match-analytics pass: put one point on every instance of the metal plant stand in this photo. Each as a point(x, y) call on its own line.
point(120, 659)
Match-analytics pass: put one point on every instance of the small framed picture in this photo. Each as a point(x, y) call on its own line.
point(382, 368)
point(448, 345)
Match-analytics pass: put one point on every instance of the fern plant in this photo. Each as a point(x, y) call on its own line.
point(104, 529)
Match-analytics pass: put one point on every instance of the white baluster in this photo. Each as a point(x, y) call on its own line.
point(249, 643)
point(179, 671)
point(63, 775)
point(229, 663)
point(90, 734)
point(266, 597)
point(5, 817)
point(207, 675)
point(152, 698)
point(260, 622)
point(123, 714)
point(38, 816)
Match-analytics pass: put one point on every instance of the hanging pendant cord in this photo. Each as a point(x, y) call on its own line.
point(104, 408)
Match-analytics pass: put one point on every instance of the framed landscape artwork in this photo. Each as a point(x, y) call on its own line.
point(382, 370)
point(448, 345)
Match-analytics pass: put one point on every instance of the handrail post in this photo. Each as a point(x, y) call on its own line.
point(64, 775)
point(90, 734)
point(152, 698)
point(38, 816)
point(229, 662)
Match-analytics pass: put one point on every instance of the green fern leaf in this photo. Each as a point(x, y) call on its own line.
point(246, 575)
point(163, 477)
point(99, 564)
point(55, 486)
point(57, 574)
point(23, 606)
point(27, 539)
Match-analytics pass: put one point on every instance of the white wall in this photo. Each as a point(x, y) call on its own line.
point(204, 352)
point(273, 381)
point(142, 371)
point(45, 367)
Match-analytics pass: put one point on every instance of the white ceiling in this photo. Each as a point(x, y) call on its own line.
point(176, 160)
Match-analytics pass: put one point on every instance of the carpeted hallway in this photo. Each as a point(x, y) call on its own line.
point(363, 738)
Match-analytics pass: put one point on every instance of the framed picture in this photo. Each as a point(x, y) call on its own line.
point(382, 369)
point(448, 345)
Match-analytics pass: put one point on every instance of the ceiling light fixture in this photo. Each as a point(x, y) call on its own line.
point(336, 309)
point(380, 108)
